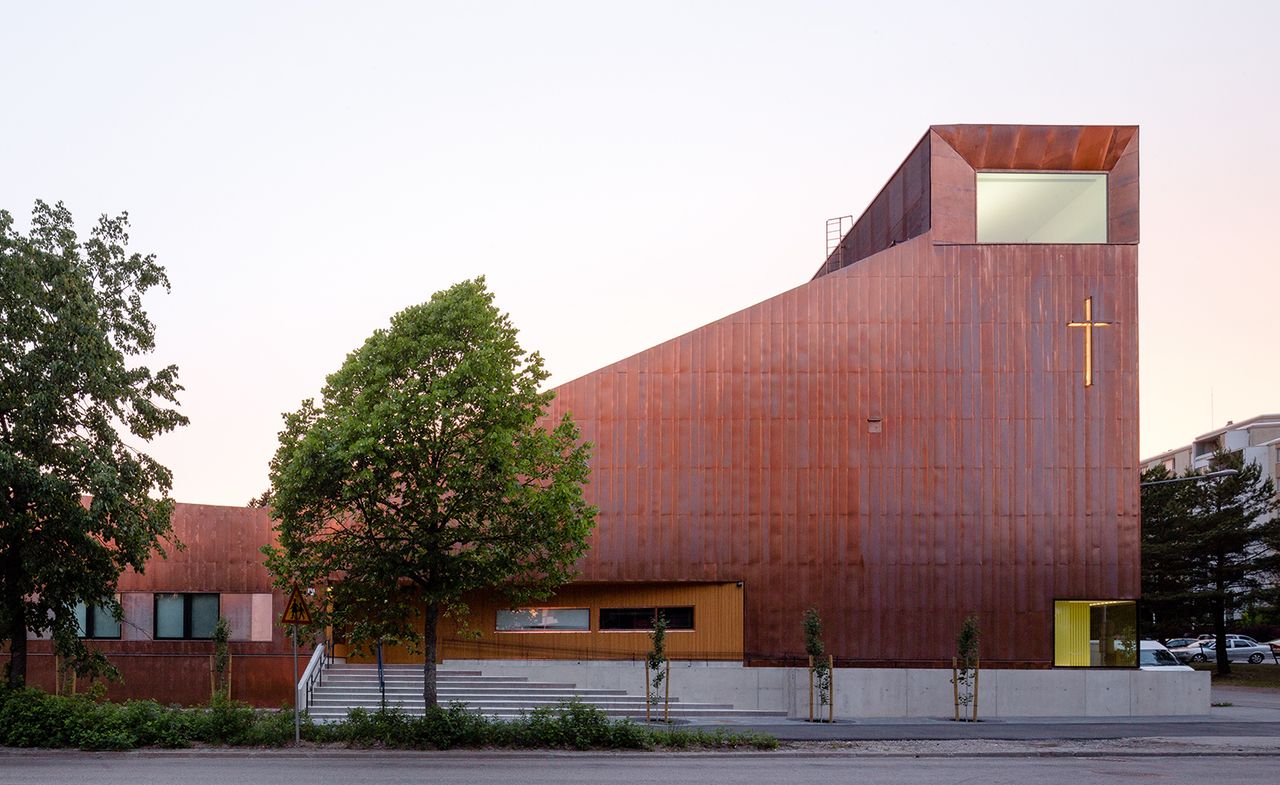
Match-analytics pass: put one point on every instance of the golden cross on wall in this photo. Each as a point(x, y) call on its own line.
point(1088, 324)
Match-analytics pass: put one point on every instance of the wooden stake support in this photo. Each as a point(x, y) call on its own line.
point(831, 688)
point(59, 677)
point(977, 669)
point(666, 704)
point(213, 675)
point(648, 694)
point(955, 688)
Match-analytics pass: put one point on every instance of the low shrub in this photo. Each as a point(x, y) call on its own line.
point(158, 726)
point(32, 718)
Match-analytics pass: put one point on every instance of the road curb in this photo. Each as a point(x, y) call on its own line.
point(265, 754)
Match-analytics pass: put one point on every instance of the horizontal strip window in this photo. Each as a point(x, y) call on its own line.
point(1042, 207)
point(1095, 633)
point(96, 621)
point(544, 620)
point(622, 619)
point(185, 616)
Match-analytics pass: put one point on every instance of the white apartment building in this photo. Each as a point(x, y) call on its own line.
point(1258, 438)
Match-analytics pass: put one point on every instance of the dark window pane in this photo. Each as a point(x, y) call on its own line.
point(169, 616)
point(104, 624)
point(626, 618)
point(680, 618)
point(204, 615)
point(81, 620)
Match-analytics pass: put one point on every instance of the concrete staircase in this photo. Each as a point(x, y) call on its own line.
point(344, 687)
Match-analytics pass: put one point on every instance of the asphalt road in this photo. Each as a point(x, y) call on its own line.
point(590, 769)
point(1023, 731)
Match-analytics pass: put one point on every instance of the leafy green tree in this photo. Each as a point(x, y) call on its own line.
point(966, 674)
point(1209, 547)
point(78, 505)
point(817, 651)
point(424, 475)
point(221, 658)
point(657, 657)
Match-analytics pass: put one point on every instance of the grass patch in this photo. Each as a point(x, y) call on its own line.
point(33, 718)
point(1244, 675)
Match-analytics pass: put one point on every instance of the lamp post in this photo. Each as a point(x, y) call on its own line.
point(1218, 475)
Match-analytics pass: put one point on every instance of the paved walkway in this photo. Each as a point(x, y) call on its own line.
point(1253, 713)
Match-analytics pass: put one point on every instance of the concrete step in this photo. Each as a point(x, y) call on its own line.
point(455, 683)
point(346, 686)
point(353, 674)
point(328, 714)
point(569, 689)
point(400, 669)
point(374, 701)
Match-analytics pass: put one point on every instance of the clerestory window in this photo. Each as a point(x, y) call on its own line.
point(1042, 207)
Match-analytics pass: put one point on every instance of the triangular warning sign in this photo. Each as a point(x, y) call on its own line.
point(296, 611)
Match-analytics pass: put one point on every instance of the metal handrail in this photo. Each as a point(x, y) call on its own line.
point(382, 683)
point(311, 676)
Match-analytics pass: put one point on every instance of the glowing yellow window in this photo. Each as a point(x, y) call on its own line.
point(1095, 633)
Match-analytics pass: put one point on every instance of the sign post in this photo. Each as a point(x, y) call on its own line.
point(296, 613)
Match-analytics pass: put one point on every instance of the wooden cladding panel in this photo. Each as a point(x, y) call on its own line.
point(997, 482)
point(717, 633)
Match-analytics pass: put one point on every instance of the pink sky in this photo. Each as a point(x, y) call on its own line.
point(620, 174)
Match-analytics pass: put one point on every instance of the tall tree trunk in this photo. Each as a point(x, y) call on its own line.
point(1220, 632)
point(429, 621)
point(18, 641)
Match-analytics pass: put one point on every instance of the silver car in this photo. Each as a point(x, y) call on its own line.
point(1238, 650)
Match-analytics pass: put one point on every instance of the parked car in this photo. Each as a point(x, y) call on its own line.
point(1230, 636)
point(1177, 643)
point(1153, 656)
point(1238, 650)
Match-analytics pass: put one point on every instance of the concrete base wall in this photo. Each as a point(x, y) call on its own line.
point(889, 692)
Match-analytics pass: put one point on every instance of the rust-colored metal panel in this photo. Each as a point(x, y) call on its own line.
point(954, 194)
point(1122, 196)
point(221, 553)
point(178, 671)
point(934, 189)
point(1094, 148)
point(940, 431)
point(898, 213)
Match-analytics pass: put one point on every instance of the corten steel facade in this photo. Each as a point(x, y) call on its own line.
point(221, 557)
point(902, 441)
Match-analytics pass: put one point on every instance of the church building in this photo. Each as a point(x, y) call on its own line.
point(942, 422)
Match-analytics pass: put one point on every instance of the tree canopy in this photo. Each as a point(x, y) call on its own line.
point(1208, 547)
point(424, 474)
point(79, 504)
